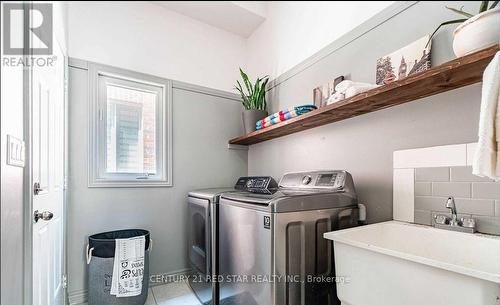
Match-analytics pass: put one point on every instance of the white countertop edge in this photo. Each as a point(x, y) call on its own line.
point(491, 277)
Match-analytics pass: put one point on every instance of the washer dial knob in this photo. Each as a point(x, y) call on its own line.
point(250, 183)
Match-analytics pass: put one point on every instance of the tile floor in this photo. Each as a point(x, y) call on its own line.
point(178, 293)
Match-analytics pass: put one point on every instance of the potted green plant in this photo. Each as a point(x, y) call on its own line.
point(253, 99)
point(476, 31)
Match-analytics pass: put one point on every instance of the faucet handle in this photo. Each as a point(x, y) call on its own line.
point(468, 222)
point(440, 219)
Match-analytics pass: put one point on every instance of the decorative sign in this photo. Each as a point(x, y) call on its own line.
point(413, 58)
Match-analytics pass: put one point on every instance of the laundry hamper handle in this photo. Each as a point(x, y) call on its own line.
point(88, 252)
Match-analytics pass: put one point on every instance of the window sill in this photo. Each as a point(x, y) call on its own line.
point(128, 184)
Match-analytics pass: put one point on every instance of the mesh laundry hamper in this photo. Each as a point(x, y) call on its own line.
point(100, 260)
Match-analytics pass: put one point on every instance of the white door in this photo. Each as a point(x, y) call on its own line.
point(47, 98)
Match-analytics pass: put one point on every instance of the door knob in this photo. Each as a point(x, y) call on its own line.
point(42, 215)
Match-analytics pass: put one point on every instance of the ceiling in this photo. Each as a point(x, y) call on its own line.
point(239, 17)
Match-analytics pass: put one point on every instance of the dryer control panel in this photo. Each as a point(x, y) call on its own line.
point(261, 184)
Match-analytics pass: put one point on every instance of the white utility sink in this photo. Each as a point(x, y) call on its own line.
point(395, 263)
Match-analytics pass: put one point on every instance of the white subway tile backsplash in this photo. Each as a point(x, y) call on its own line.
point(423, 189)
point(486, 190)
point(455, 189)
point(476, 206)
point(423, 217)
point(430, 203)
point(432, 174)
point(439, 172)
point(487, 224)
point(467, 206)
point(464, 174)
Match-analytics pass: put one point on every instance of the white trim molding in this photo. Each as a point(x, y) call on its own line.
point(403, 194)
point(406, 161)
point(231, 96)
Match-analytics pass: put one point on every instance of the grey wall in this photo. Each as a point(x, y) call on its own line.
point(12, 209)
point(202, 123)
point(475, 197)
point(364, 145)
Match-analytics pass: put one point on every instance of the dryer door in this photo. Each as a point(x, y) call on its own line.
point(199, 234)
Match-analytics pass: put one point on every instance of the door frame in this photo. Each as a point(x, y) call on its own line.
point(28, 179)
point(28, 168)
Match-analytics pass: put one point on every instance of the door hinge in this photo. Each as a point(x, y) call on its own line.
point(64, 281)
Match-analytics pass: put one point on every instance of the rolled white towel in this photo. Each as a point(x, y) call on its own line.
point(358, 88)
point(343, 85)
point(336, 97)
point(346, 84)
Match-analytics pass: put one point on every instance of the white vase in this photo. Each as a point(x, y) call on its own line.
point(477, 33)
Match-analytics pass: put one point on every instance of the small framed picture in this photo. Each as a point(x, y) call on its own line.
point(413, 58)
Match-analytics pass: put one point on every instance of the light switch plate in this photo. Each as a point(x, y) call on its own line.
point(15, 151)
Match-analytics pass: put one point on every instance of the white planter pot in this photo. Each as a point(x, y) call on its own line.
point(477, 33)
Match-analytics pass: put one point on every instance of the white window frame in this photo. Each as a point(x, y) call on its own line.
point(99, 77)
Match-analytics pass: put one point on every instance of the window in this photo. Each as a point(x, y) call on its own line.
point(130, 128)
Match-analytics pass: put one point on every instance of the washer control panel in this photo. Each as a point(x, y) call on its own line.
point(328, 180)
point(334, 180)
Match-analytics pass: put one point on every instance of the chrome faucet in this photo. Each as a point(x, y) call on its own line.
point(466, 224)
point(450, 204)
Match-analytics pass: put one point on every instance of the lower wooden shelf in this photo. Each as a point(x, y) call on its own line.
point(451, 75)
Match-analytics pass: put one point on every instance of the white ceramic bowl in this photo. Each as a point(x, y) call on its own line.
point(477, 33)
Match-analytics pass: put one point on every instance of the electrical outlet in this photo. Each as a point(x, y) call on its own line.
point(15, 151)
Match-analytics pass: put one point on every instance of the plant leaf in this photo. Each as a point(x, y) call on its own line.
point(442, 24)
point(460, 11)
point(483, 7)
point(240, 89)
point(495, 3)
point(257, 94)
point(255, 97)
point(264, 84)
point(244, 97)
point(246, 80)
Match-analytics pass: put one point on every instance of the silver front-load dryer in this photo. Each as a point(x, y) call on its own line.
point(202, 238)
point(271, 246)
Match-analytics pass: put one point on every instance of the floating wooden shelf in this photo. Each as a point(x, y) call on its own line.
point(451, 75)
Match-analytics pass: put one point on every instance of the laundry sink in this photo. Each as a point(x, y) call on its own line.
point(394, 263)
